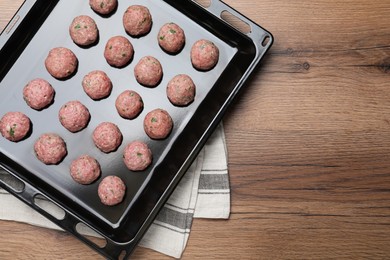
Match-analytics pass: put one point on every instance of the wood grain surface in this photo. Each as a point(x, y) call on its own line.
point(308, 141)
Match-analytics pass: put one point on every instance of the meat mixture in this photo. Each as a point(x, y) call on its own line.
point(61, 62)
point(83, 30)
point(137, 156)
point(118, 51)
point(181, 90)
point(158, 124)
point(171, 38)
point(15, 126)
point(50, 148)
point(137, 20)
point(204, 55)
point(85, 169)
point(97, 84)
point(111, 190)
point(107, 137)
point(74, 116)
point(38, 94)
point(129, 104)
point(148, 71)
point(103, 7)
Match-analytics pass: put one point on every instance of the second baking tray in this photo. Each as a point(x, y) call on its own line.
point(42, 25)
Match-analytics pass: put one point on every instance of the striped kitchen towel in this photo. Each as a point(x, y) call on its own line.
point(203, 192)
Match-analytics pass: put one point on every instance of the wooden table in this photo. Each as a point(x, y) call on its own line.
point(308, 142)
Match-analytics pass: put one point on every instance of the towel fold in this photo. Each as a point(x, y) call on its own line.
point(203, 192)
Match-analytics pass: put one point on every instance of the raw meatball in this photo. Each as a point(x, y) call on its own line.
point(107, 137)
point(83, 30)
point(129, 104)
point(158, 124)
point(97, 84)
point(103, 7)
point(74, 116)
point(148, 71)
point(118, 51)
point(38, 94)
point(85, 169)
point(181, 90)
point(137, 156)
point(171, 37)
point(15, 126)
point(50, 148)
point(137, 20)
point(111, 190)
point(204, 55)
point(61, 62)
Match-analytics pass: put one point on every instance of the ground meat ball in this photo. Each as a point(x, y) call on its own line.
point(15, 126)
point(137, 156)
point(137, 20)
point(129, 104)
point(74, 116)
point(181, 90)
point(103, 7)
point(61, 62)
point(107, 137)
point(204, 55)
point(50, 148)
point(38, 94)
point(148, 71)
point(118, 51)
point(158, 124)
point(83, 30)
point(85, 169)
point(111, 190)
point(97, 84)
point(171, 38)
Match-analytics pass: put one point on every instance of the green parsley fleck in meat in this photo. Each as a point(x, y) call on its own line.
point(12, 130)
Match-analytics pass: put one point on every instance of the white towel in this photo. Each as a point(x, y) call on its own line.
point(203, 192)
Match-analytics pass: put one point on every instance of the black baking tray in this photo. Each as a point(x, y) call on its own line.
point(40, 25)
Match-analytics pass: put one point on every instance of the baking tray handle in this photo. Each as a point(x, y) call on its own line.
point(20, 30)
point(15, 21)
point(262, 38)
point(61, 217)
